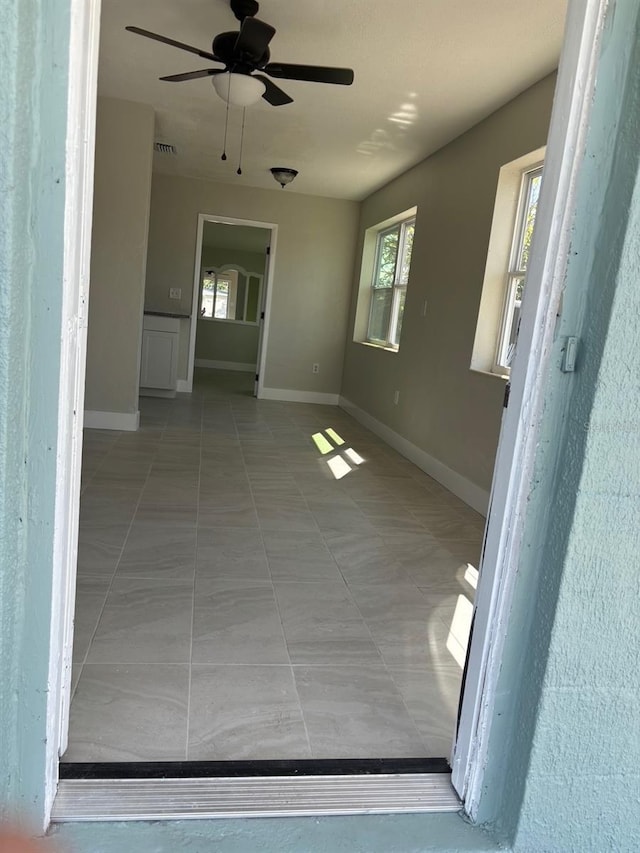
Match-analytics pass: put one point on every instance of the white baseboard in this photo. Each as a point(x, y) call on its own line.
point(290, 395)
point(224, 365)
point(467, 491)
point(125, 421)
point(182, 386)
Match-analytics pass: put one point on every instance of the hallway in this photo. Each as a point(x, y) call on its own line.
point(249, 587)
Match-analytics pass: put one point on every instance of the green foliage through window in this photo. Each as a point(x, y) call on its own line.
point(389, 287)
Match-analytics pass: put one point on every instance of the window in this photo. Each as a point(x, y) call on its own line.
point(219, 294)
point(520, 249)
point(514, 215)
point(389, 285)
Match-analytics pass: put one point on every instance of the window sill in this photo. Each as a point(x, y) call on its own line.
point(378, 346)
point(503, 376)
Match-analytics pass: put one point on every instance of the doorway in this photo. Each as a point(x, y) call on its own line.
point(233, 271)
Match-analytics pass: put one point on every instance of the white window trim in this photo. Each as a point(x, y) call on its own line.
point(365, 281)
point(491, 313)
point(517, 444)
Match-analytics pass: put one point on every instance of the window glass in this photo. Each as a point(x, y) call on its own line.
point(387, 257)
point(516, 275)
point(389, 285)
point(406, 252)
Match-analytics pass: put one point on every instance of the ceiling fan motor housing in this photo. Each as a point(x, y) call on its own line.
point(244, 8)
point(224, 47)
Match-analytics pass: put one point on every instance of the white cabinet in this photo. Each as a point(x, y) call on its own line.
point(159, 361)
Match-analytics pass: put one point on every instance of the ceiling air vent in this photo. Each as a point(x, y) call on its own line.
point(164, 148)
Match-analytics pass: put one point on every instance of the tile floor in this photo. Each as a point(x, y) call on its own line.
point(235, 600)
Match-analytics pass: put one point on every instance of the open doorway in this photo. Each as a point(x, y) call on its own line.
point(233, 265)
point(233, 270)
point(186, 454)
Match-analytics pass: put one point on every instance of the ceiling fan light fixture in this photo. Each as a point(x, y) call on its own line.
point(283, 175)
point(240, 90)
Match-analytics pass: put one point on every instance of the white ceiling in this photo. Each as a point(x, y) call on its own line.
point(425, 71)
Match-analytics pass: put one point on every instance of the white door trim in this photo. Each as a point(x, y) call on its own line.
point(268, 280)
point(517, 446)
point(79, 163)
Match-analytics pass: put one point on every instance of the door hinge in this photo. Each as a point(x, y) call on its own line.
point(507, 391)
point(268, 250)
point(257, 376)
point(262, 315)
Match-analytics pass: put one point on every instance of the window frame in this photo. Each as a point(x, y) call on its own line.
point(503, 358)
point(397, 288)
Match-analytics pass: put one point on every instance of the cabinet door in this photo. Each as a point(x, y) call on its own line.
point(159, 360)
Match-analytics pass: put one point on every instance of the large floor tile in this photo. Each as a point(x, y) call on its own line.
point(144, 621)
point(284, 513)
point(322, 625)
point(248, 712)
point(355, 712)
point(431, 697)
point(159, 551)
point(100, 547)
point(91, 594)
point(229, 552)
point(236, 622)
point(129, 713)
point(299, 556)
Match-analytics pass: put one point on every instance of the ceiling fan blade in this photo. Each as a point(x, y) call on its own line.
point(147, 34)
point(273, 94)
point(253, 38)
point(310, 73)
point(192, 75)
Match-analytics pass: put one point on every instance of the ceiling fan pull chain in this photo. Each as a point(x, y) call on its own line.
point(226, 121)
point(244, 112)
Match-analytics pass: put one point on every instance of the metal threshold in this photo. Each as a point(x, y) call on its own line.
point(252, 796)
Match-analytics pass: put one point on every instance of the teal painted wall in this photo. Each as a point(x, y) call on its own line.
point(33, 83)
point(565, 738)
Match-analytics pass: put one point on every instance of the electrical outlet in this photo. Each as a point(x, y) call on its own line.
point(396, 397)
point(315, 368)
point(175, 293)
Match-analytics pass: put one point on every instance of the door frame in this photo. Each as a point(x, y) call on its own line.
point(517, 446)
point(512, 476)
point(263, 322)
point(84, 40)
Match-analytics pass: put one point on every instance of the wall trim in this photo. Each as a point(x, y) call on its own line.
point(223, 365)
point(182, 386)
point(126, 421)
point(291, 395)
point(469, 492)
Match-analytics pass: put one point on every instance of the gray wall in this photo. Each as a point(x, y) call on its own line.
point(217, 340)
point(124, 150)
point(445, 409)
point(313, 269)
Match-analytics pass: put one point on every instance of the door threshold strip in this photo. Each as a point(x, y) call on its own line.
point(182, 798)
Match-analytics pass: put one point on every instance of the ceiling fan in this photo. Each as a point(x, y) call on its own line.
point(243, 53)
